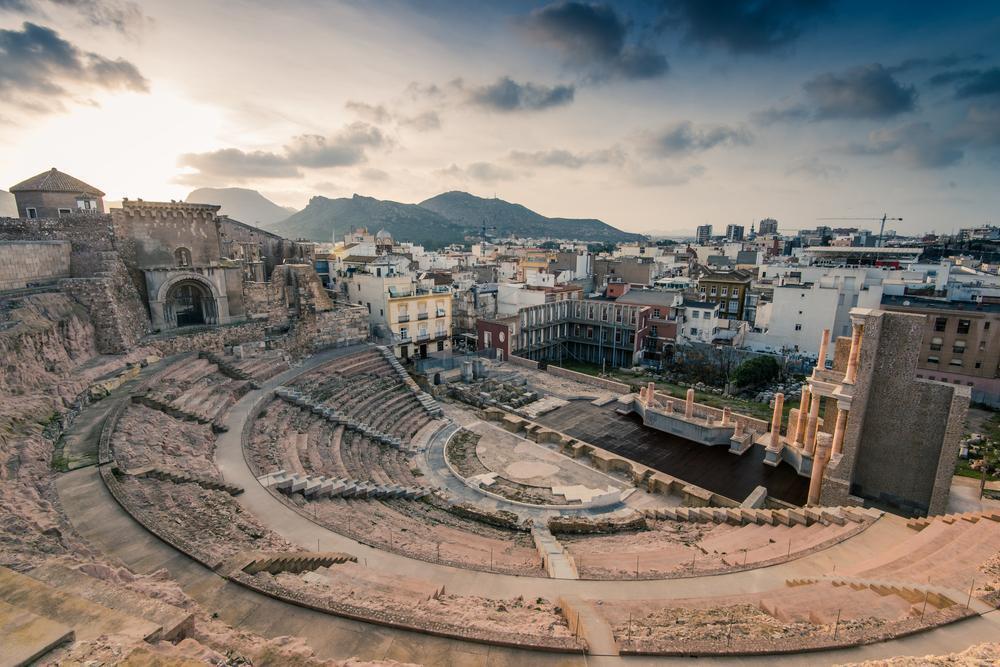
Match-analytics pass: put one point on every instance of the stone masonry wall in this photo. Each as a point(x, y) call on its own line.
point(23, 263)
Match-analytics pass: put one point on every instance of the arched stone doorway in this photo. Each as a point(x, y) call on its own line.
point(190, 303)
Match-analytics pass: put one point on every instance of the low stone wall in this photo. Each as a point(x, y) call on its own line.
point(608, 385)
point(521, 361)
point(702, 410)
point(581, 525)
point(846, 638)
point(214, 339)
point(402, 622)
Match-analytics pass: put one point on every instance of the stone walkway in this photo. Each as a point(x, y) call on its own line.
point(98, 518)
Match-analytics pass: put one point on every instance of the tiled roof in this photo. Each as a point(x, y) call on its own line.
point(55, 181)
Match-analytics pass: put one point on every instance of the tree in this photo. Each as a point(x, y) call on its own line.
point(756, 371)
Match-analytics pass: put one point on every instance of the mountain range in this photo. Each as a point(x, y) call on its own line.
point(451, 217)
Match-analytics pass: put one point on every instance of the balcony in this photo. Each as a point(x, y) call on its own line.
point(440, 312)
point(422, 316)
point(403, 318)
point(423, 337)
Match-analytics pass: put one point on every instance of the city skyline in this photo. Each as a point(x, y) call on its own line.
point(654, 117)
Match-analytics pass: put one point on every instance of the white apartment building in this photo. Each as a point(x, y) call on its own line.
point(798, 313)
point(701, 322)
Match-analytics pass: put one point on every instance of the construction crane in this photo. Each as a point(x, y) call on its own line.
point(881, 229)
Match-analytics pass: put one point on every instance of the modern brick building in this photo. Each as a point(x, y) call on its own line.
point(960, 344)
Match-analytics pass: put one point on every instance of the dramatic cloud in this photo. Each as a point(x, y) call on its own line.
point(234, 165)
point(953, 76)
point(38, 66)
point(815, 168)
point(343, 149)
point(422, 122)
point(787, 114)
point(485, 172)
point(125, 17)
point(593, 38)
point(563, 158)
point(860, 92)
point(340, 150)
point(916, 145)
point(508, 95)
point(944, 62)
point(741, 26)
point(373, 113)
point(685, 138)
point(985, 82)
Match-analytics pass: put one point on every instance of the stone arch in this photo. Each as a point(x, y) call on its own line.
point(189, 300)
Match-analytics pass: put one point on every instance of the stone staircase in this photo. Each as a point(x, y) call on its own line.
point(296, 397)
point(559, 564)
point(431, 406)
point(229, 370)
point(184, 478)
point(971, 517)
point(912, 594)
point(52, 605)
point(296, 562)
point(741, 516)
point(315, 487)
point(156, 404)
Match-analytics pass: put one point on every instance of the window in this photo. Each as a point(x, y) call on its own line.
point(734, 305)
point(725, 291)
point(695, 314)
point(936, 343)
point(798, 327)
point(708, 314)
point(963, 326)
point(656, 313)
point(932, 360)
point(694, 331)
point(590, 333)
point(64, 211)
point(440, 346)
point(652, 331)
point(713, 290)
point(986, 326)
point(979, 364)
point(958, 347)
point(955, 362)
point(32, 213)
point(982, 345)
point(404, 333)
point(940, 323)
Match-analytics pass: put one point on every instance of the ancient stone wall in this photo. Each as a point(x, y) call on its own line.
point(211, 340)
point(895, 419)
point(98, 278)
point(24, 263)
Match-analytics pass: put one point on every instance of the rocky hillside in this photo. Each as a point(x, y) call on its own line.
point(473, 212)
point(241, 204)
point(328, 219)
point(447, 218)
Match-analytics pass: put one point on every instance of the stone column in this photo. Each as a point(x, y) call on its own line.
point(838, 431)
point(779, 405)
point(813, 424)
point(824, 344)
point(823, 442)
point(689, 405)
point(800, 423)
point(651, 394)
point(727, 415)
point(852, 359)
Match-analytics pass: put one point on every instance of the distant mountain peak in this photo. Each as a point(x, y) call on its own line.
point(241, 204)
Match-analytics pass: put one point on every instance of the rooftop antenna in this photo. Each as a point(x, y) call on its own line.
point(881, 229)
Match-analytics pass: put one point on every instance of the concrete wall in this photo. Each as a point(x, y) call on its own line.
point(26, 262)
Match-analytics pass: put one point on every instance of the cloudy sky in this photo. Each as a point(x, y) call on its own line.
point(654, 116)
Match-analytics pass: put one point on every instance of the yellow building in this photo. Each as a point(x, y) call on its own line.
point(420, 319)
